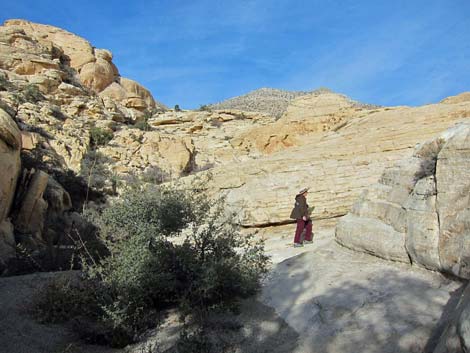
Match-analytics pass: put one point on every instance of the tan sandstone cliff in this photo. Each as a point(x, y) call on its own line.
point(337, 164)
point(419, 211)
point(55, 87)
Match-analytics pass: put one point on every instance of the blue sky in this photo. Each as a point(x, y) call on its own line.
point(388, 52)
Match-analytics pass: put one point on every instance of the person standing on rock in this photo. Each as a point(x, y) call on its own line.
point(301, 213)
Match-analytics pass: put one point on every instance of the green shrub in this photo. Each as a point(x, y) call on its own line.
point(143, 125)
point(99, 136)
point(177, 108)
point(205, 108)
point(5, 85)
point(155, 175)
point(150, 213)
point(194, 342)
point(31, 93)
point(64, 297)
point(94, 170)
point(211, 268)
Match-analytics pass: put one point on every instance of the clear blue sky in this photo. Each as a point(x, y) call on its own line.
point(193, 52)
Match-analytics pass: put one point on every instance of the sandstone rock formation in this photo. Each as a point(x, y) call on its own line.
point(420, 209)
point(49, 104)
point(10, 144)
point(32, 207)
point(337, 165)
point(310, 113)
point(60, 90)
point(456, 336)
point(342, 301)
point(93, 67)
point(460, 98)
point(101, 73)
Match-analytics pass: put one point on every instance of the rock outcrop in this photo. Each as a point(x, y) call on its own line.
point(308, 114)
point(94, 67)
point(339, 300)
point(337, 165)
point(456, 335)
point(419, 211)
point(10, 145)
point(52, 97)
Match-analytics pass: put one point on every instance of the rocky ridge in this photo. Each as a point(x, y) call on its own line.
point(269, 101)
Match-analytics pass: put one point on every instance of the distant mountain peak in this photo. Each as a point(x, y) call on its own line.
point(266, 100)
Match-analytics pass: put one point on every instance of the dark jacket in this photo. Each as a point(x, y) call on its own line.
point(300, 208)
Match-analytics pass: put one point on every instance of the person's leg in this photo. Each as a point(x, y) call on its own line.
point(298, 231)
point(308, 230)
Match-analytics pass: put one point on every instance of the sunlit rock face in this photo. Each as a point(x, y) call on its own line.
point(419, 211)
point(336, 164)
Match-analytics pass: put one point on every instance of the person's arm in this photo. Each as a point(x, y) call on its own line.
point(304, 208)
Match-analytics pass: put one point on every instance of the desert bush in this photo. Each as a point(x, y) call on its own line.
point(94, 169)
point(194, 342)
point(177, 108)
point(205, 108)
point(64, 297)
point(31, 93)
point(100, 137)
point(146, 214)
point(143, 125)
point(210, 268)
point(155, 175)
point(5, 85)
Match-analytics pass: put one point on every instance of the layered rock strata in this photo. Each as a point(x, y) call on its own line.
point(419, 211)
point(337, 165)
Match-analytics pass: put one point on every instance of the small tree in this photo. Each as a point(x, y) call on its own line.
point(177, 108)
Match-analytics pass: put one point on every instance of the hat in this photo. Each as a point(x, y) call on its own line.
point(304, 190)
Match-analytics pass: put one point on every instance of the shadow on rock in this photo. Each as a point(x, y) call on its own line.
point(340, 303)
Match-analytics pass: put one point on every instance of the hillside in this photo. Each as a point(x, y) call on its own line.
point(269, 101)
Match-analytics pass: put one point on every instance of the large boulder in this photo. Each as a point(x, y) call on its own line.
point(99, 74)
point(453, 202)
point(30, 216)
point(78, 50)
point(152, 152)
point(130, 94)
point(10, 146)
point(456, 335)
point(420, 209)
